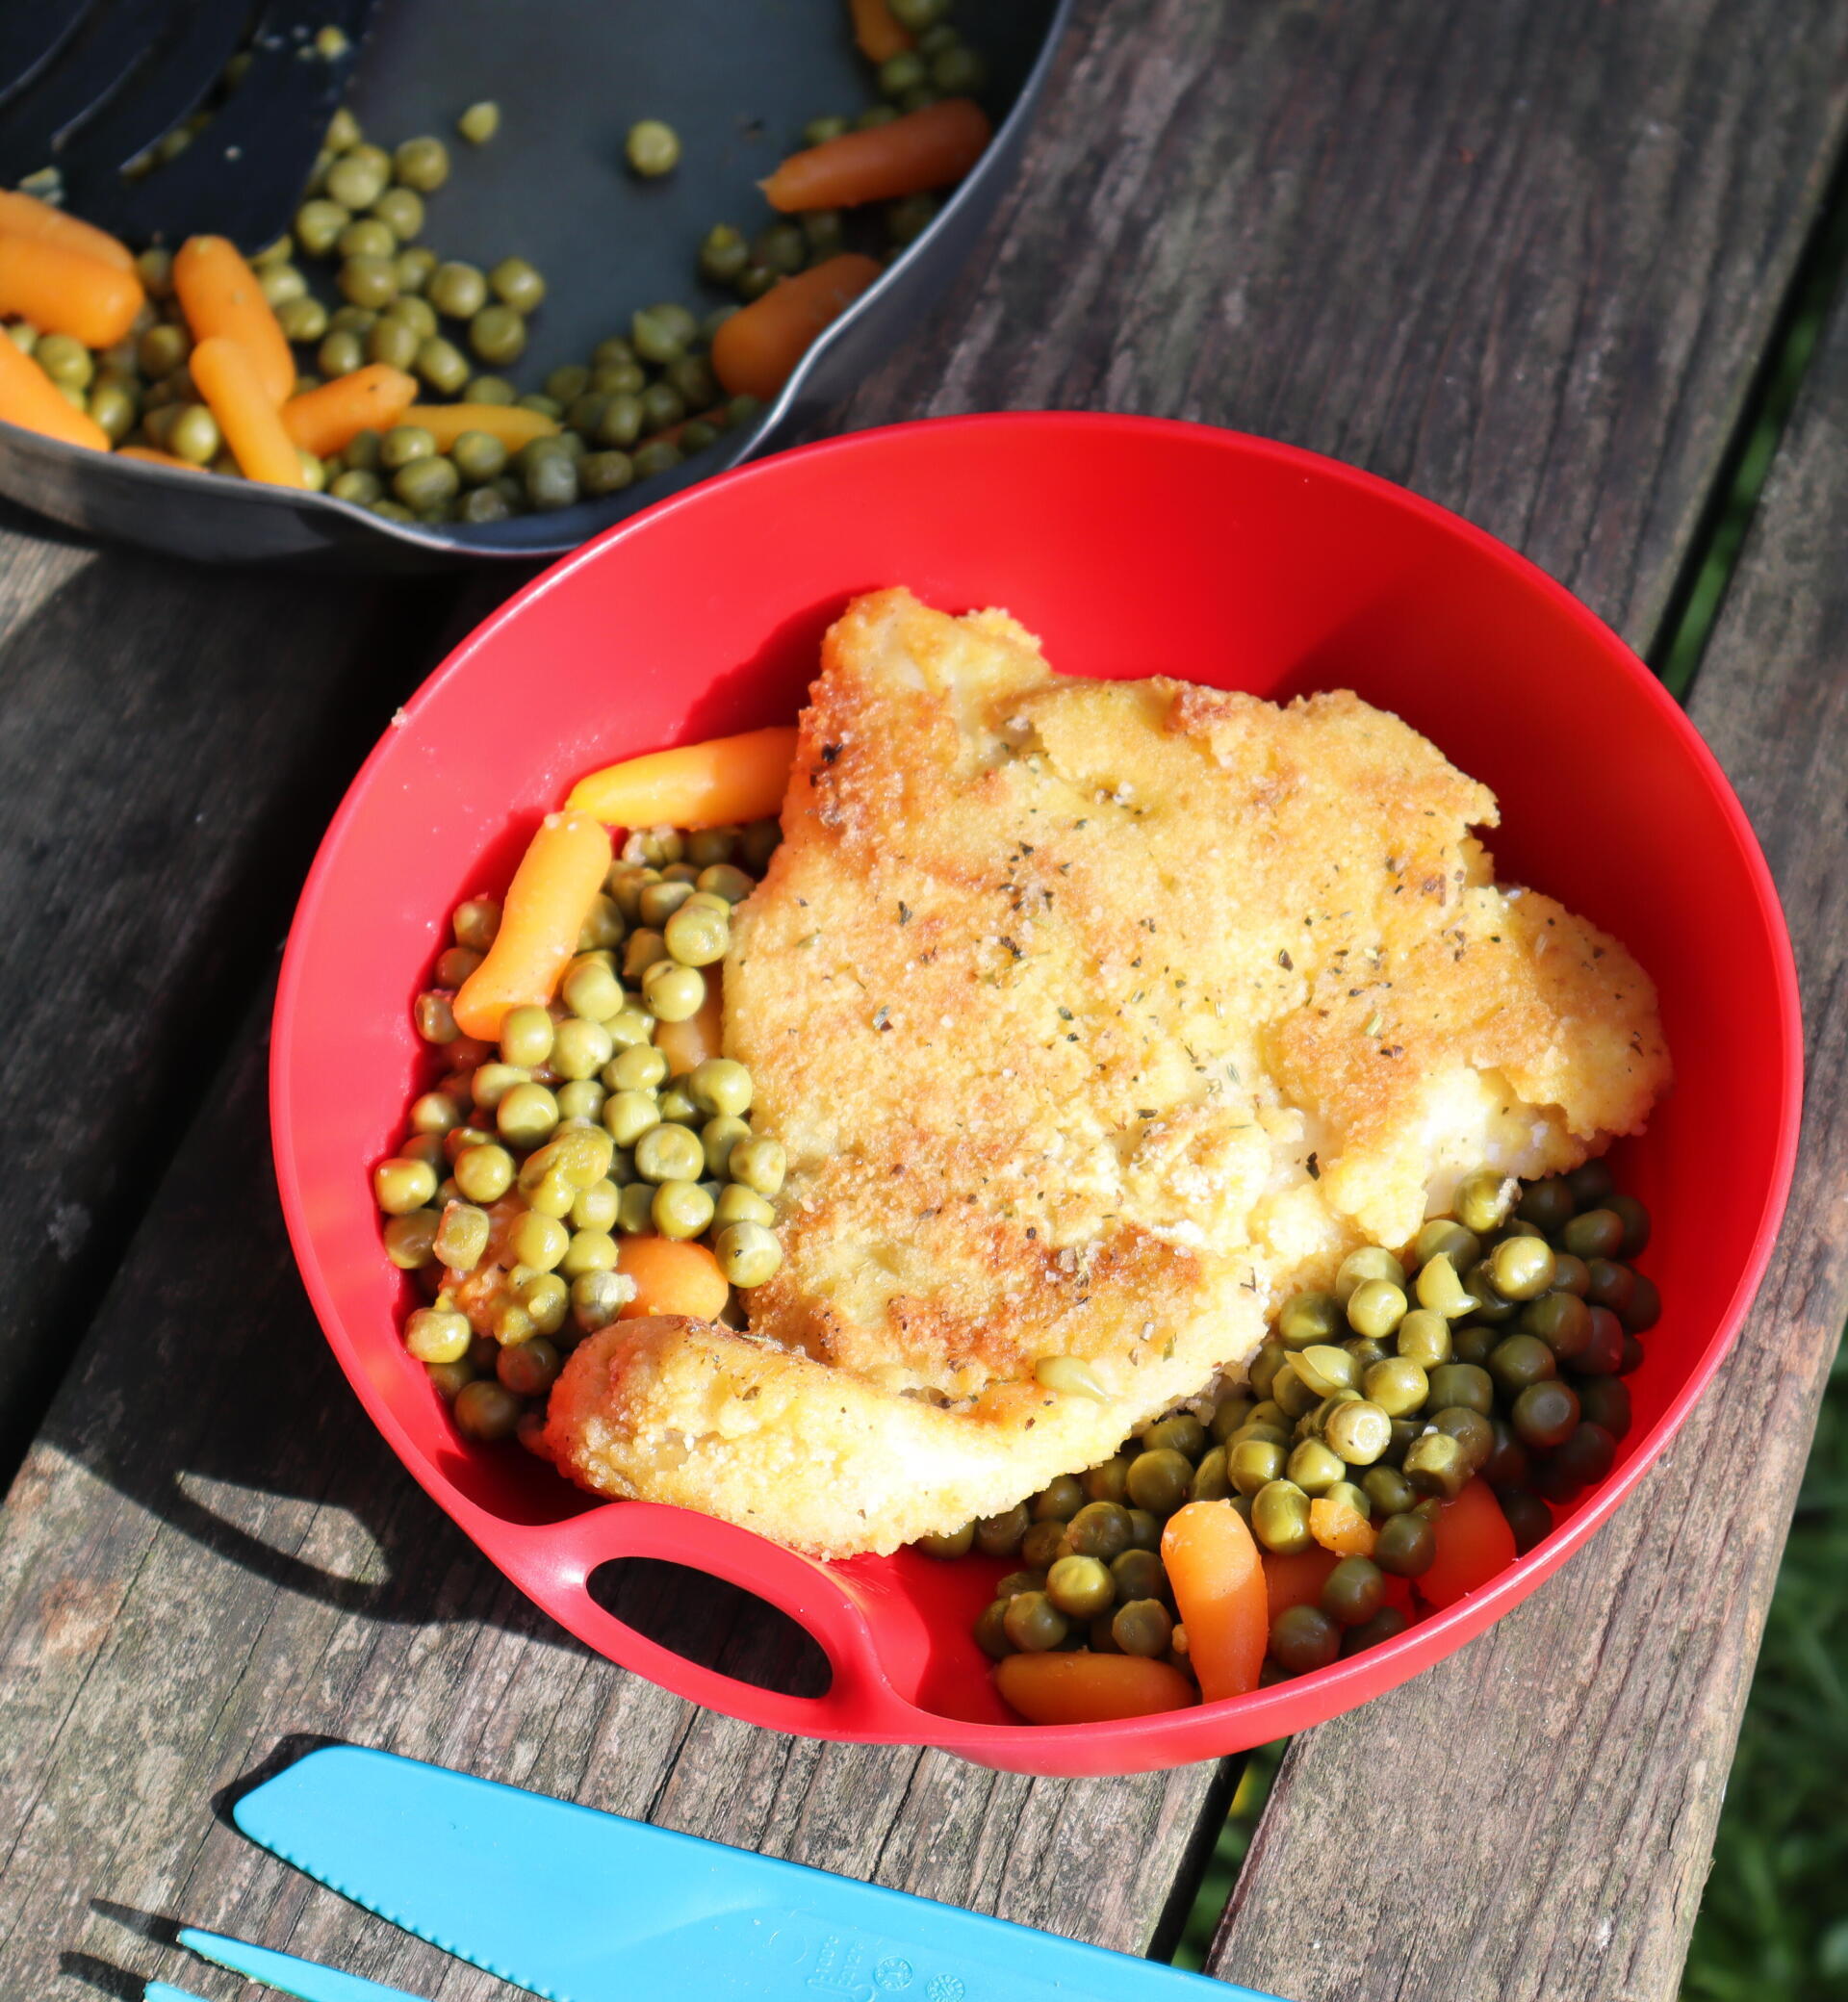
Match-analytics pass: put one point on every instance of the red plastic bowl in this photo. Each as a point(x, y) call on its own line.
point(1132, 547)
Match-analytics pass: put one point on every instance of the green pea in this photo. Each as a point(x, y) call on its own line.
point(1440, 1291)
point(194, 436)
point(668, 1153)
point(1304, 1638)
point(723, 253)
point(483, 1173)
point(1360, 1431)
point(1324, 1370)
point(673, 993)
point(1398, 1385)
point(652, 148)
point(401, 1185)
point(483, 504)
point(427, 483)
point(1033, 1624)
point(1472, 1431)
point(1368, 1261)
point(486, 1410)
point(1545, 1414)
point(1315, 1467)
point(658, 455)
point(960, 71)
point(580, 1049)
point(461, 1236)
point(1387, 1490)
point(1462, 1383)
point(456, 289)
point(1143, 1627)
point(1252, 1462)
point(601, 473)
point(760, 1165)
point(737, 1204)
point(999, 1535)
point(1445, 1237)
point(498, 335)
point(1375, 1307)
point(1490, 1307)
point(1292, 1394)
point(635, 1212)
point(908, 219)
point(677, 1107)
point(1484, 1200)
point(1280, 1518)
point(1520, 1269)
point(1434, 1464)
point(551, 480)
point(1159, 1480)
point(438, 1335)
point(1562, 1321)
point(1181, 1432)
point(1308, 1317)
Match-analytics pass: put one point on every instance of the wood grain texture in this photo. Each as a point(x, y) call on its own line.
point(171, 743)
point(1253, 213)
point(1571, 1842)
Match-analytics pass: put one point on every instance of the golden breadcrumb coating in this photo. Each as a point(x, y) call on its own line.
point(1096, 1018)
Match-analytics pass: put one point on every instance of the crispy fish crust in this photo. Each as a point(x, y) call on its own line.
point(1095, 1018)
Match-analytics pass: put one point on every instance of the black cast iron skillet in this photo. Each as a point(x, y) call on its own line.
point(737, 79)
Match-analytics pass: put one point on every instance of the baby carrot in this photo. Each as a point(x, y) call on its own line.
point(547, 903)
point(25, 215)
point(924, 149)
point(711, 785)
point(1088, 1688)
point(878, 35)
point(220, 293)
point(672, 1277)
point(32, 400)
point(687, 1045)
point(1474, 1544)
point(1219, 1592)
point(446, 422)
point(755, 351)
point(61, 290)
point(328, 419)
point(151, 457)
point(1296, 1578)
point(226, 377)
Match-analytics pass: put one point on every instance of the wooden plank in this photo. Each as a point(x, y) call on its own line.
point(172, 742)
point(1576, 1753)
point(206, 1551)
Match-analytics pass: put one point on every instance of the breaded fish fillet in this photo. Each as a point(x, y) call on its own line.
point(1096, 1016)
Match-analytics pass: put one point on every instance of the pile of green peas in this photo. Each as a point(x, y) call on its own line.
point(527, 1163)
point(1495, 1345)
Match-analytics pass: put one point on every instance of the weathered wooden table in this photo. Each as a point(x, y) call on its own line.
point(1528, 256)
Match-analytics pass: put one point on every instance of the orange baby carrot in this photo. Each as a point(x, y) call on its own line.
point(924, 149)
point(547, 903)
point(446, 422)
point(328, 419)
point(1090, 1688)
point(711, 785)
point(672, 1277)
point(32, 400)
point(227, 376)
point(220, 293)
point(1473, 1545)
point(1296, 1578)
point(755, 351)
point(25, 215)
point(1219, 1592)
point(63, 291)
point(151, 457)
point(878, 35)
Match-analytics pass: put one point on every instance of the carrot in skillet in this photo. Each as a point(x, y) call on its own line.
point(328, 419)
point(446, 422)
point(560, 873)
point(924, 149)
point(31, 399)
point(878, 35)
point(221, 295)
point(25, 215)
point(227, 376)
point(755, 351)
point(61, 290)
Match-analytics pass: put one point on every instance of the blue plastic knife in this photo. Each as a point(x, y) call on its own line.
point(579, 1905)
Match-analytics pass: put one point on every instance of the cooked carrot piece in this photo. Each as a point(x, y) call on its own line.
point(25, 215)
point(547, 903)
point(1220, 1595)
point(755, 351)
point(672, 1277)
point(878, 36)
point(1090, 1688)
point(61, 291)
point(31, 399)
point(227, 378)
point(924, 149)
point(1340, 1527)
point(711, 785)
point(220, 295)
point(1297, 1579)
point(328, 419)
point(689, 1043)
point(446, 422)
point(149, 456)
point(1474, 1544)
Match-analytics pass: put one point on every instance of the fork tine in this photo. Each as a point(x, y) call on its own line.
point(287, 1971)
